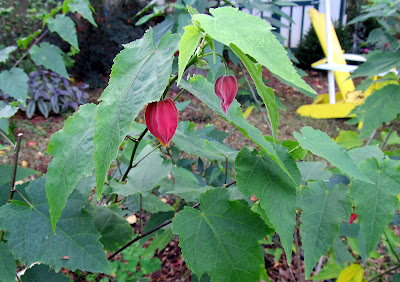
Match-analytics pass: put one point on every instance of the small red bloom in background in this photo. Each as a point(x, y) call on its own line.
point(226, 89)
point(162, 120)
point(353, 217)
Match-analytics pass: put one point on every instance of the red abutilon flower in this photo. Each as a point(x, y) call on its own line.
point(226, 89)
point(162, 120)
point(353, 217)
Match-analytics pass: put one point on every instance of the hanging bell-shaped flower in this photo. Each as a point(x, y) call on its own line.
point(162, 120)
point(226, 89)
point(353, 216)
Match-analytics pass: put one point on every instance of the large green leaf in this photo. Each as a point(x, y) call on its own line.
point(319, 143)
point(82, 7)
point(187, 139)
point(313, 171)
point(265, 92)
point(72, 150)
point(31, 238)
point(366, 152)
point(145, 176)
point(204, 90)
point(42, 272)
point(65, 27)
point(14, 83)
point(378, 62)
point(114, 229)
point(7, 264)
point(190, 39)
point(184, 184)
point(221, 238)
point(49, 56)
point(376, 203)
point(254, 37)
point(139, 75)
point(5, 52)
point(257, 174)
point(380, 107)
point(7, 111)
point(323, 211)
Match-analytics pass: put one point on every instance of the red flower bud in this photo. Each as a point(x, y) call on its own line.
point(353, 217)
point(162, 120)
point(226, 89)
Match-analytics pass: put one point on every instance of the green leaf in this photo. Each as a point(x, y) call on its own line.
point(7, 111)
point(5, 52)
point(150, 203)
point(14, 83)
point(42, 272)
point(376, 203)
point(348, 139)
point(65, 27)
point(204, 90)
point(186, 138)
point(330, 271)
point(146, 175)
point(220, 149)
point(82, 7)
point(380, 107)
point(31, 239)
point(294, 149)
point(49, 56)
point(7, 264)
point(72, 150)
point(184, 184)
point(313, 171)
point(115, 230)
point(378, 62)
point(320, 144)
point(323, 211)
point(258, 174)
point(366, 152)
point(221, 239)
point(253, 36)
point(340, 251)
point(139, 76)
point(265, 92)
point(190, 39)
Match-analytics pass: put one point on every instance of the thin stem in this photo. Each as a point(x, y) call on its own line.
point(8, 140)
point(384, 273)
point(27, 51)
point(296, 242)
point(180, 93)
point(226, 169)
point(387, 137)
point(256, 100)
point(371, 137)
point(140, 214)
point(13, 175)
point(22, 196)
point(144, 235)
point(146, 156)
point(230, 184)
point(14, 169)
point(133, 154)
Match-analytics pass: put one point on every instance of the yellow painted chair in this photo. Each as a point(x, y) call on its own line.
point(334, 105)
